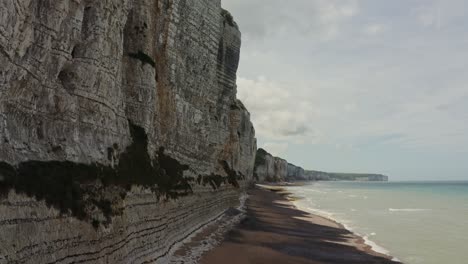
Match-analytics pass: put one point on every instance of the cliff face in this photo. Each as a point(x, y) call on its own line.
point(269, 168)
point(295, 173)
point(274, 169)
point(120, 131)
point(331, 176)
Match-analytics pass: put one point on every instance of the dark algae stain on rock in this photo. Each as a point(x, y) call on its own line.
point(216, 181)
point(6, 172)
point(143, 57)
point(164, 174)
point(233, 177)
point(134, 167)
point(59, 184)
point(171, 180)
point(73, 187)
point(66, 140)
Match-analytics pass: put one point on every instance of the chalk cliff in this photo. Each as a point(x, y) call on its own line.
point(269, 168)
point(120, 131)
point(274, 169)
point(333, 176)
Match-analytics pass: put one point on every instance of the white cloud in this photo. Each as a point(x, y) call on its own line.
point(430, 17)
point(374, 29)
point(277, 113)
point(356, 78)
point(440, 13)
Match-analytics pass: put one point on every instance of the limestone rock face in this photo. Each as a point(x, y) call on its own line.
point(120, 131)
point(274, 169)
point(330, 176)
point(61, 78)
point(269, 168)
point(317, 175)
point(296, 173)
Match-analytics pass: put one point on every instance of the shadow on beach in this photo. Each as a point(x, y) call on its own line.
point(276, 232)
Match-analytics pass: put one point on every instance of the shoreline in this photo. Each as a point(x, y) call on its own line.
point(276, 231)
point(373, 246)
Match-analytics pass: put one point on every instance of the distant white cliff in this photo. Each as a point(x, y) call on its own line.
point(273, 169)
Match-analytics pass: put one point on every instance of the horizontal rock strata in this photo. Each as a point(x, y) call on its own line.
point(120, 131)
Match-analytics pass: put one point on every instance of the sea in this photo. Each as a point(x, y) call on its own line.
point(414, 222)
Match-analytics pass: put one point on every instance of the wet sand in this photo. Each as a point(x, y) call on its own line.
point(274, 231)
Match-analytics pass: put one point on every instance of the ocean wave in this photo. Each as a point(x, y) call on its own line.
point(317, 191)
point(319, 212)
point(375, 247)
point(347, 225)
point(407, 210)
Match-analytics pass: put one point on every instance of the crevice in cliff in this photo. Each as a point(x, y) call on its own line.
point(73, 52)
point(143, 57)
point(86, 26)
point(66, 77)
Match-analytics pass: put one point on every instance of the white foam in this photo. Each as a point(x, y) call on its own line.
point(375, 247)
point(378, 248)
point(318, 212)
point(330, 216)
point(407, 209)
point(316, 191)
point(367, 241)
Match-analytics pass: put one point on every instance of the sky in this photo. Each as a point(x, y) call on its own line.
point(372, 86)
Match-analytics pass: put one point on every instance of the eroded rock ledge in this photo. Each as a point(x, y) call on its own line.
point(120, 131)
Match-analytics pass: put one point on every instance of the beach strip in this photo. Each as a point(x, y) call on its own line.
point(275, 231)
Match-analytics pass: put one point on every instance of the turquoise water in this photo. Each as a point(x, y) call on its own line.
point(416, 222)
